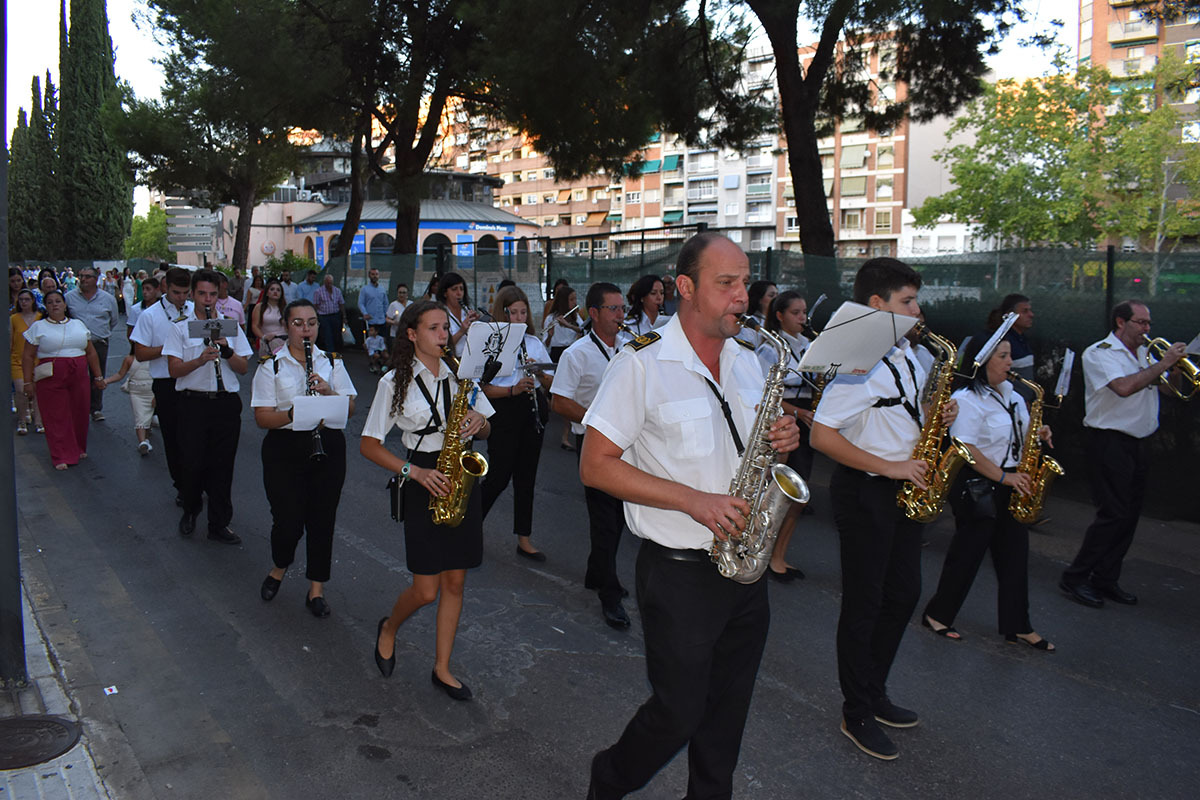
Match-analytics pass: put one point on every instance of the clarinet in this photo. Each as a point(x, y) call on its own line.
point(318, 448)
point(208, 314)
point(533, 393)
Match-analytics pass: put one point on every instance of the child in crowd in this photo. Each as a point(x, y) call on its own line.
point(376, 351)
point(141, 398)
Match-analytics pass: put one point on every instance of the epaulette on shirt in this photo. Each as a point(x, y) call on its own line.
point(1104, 345)
point(743, 343)
point(333, 356)
point(643, 340)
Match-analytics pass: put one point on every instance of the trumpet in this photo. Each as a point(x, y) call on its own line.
point(1155, 350)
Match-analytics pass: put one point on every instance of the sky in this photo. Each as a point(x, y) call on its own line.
point(32, 46)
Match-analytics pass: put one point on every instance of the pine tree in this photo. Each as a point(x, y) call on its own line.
point(97, 202)
point(20, 195)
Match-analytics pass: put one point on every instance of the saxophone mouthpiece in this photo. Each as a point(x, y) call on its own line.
point(747, 321)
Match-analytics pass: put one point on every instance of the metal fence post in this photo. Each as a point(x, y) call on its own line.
point(1110, 269)
point(767, 265)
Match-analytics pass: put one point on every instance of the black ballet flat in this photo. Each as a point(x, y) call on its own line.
point(456, 692)
point(537, 556)
point(317, 606)
point(270, 588)
point(386, 665)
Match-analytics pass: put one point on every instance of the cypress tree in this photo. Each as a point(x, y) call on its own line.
point(97, 201)
point(45, 195)
point(20, 192)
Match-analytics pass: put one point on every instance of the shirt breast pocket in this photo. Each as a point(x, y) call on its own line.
point(689, 426)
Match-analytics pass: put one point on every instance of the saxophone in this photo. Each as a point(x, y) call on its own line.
point(769, 487)
point(924, 505)
point(460, 465)
point(1042, 470)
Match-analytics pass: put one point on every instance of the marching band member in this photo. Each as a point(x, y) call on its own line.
point(576, 381)
point(992, 422)
point(1121, 396)
point(519, 424)
point(303, 489)
point(452, 293)
point(416, 396)
point(870, 425)
point(787, 316)
point(664, 434)
point(762, 294)
point(645, 307)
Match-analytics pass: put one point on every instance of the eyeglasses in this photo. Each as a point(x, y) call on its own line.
point(1145, 323)
point(304, 323)
point(622, 309)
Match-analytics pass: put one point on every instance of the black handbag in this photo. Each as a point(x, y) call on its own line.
point(979, 497)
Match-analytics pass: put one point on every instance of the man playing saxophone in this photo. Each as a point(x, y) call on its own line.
point(1122, 413)
point(665, 434)
point(870, 424)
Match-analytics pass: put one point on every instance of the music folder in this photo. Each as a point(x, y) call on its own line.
point(220, 328)
point(1064, 375)
point(308, 411)
point(856, 337)
point(490, 340)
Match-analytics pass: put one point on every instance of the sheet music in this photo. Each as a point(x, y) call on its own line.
point(989, 346)
point(1193, 347)
point(485, 340)
point(310, 410)
point(1064, 376)
point(856, 337)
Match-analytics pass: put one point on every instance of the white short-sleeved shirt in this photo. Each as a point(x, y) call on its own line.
point(994, 420)
point(848, 406)
point(132, 312)
point(204, 378)
point(153, 326)
point(1103, 363)
point(281, 378)
point(415, 413)
point(641, 326)
point(375, 344)
point(66, 339)
point(455, 326)
point(655, 404)
point(290, 290)
point(580, 369)
point(794, 385)
point(534, 351)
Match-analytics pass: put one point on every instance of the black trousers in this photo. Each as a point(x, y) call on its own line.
point(329, 332)
point(606, 521)
point(881, 584)
point(209, 429)
point(514, 448)
point(1117, 467)
point(166, 406)
point(304, 496)
point(101, 347)
point(1008, 542)
point(704, 638)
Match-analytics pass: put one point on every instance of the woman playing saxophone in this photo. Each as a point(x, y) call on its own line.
point(993, 423)
point(416, 396)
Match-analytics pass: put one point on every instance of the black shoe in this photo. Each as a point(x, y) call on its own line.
point(187, 524)
point(386, 665)
point(270, 588)
point(1083, 593)
point(1116, 594)
point(893, 715)
point(616, 616)
point(224, 536)
point(538, 556)
point(783, 577)
point(870, 738)
point(179, 500)
point(317, 606)
point(456, 692)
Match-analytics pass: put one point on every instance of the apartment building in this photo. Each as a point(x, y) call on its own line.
point(1115, 34)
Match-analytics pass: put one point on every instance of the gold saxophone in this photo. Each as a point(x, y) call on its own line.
point(924, 505)
point(460, 465)
point(770, 488)
point(1042, 470)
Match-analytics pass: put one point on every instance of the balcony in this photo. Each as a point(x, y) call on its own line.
point(758, 189)
point(702, 194)
point(1128, 67)
point(1132, 31)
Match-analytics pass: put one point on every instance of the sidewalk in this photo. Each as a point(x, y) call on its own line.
point(71, 776)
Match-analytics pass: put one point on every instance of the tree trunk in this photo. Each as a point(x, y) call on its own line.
point(241, 241)
point(358, 184)
point(408, 216)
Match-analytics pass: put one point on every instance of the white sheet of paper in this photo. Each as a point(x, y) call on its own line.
point(856, 337)
point(989, 346)
point(1193, 347)
point(1064, 376)
point(488, 339)
point(308, 411)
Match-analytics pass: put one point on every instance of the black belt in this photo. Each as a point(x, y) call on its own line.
point(205, 395)
point(673, 554)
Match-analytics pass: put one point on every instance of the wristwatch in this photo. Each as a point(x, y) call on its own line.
point(404, 469)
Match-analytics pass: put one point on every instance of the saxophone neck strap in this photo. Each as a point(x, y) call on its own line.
point(435, 421)
point(1014, 433)
point(737, 439)
point(902, 400)
point(599, 345)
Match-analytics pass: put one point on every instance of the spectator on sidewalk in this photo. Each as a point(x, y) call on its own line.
point(331, 311)
point(266, 323)
point(98, 311)
point(229, 305)
point(24, 314)
point(373, 302)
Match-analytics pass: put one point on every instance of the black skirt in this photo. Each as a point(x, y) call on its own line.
point(429, 548)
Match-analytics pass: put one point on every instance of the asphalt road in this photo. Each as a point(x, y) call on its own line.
point(220, 695)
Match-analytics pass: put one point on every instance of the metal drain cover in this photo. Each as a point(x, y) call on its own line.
point(25, 741)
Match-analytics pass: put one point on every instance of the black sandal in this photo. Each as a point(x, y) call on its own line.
point(945, 631)
point(1043, 644)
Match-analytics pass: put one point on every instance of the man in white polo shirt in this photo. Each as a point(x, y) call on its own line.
point(149, 336)
point(1121, 398)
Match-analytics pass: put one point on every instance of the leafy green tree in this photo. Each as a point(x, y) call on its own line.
point(96, 191)
point(148, 237)
point(1027, 172)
